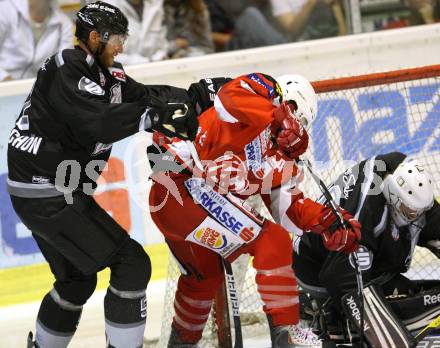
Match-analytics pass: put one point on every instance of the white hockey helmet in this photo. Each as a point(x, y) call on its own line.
point(409, 191)
point(299, 89)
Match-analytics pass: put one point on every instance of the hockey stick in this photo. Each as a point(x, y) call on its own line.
point(427, 329)
point(228, 269)
point(334, 207)
point(233, 296)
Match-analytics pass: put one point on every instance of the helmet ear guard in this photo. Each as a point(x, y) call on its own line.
point(409, 191)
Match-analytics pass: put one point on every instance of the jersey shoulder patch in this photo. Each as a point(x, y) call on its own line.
point(117, 71)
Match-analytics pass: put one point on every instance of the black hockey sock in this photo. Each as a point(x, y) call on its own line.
point(125, 317)
point(57, 321)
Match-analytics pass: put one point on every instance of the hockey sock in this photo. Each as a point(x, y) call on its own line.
point(192, 303)
point(56, 322)
point(125, 318)
point(279, 293)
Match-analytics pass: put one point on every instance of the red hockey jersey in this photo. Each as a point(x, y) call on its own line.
point(240, 123)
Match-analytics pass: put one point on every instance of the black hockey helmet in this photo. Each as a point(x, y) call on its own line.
point(106, 19)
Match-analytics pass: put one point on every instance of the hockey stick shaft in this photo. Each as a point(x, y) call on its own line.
point(233, 296)
point(333, 206)
point(428, 329)
point(335, 209)
point(228, 269)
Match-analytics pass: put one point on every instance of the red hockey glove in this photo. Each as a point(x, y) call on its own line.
point(227, 173)
point(338, 238)
point(290, 136)
point(345, 240)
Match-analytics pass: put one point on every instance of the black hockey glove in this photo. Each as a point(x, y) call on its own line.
point(172, 119)
point(203, 92)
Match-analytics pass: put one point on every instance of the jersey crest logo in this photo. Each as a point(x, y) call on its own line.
point(89, 86)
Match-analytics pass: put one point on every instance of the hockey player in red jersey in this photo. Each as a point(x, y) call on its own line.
point(247, 143)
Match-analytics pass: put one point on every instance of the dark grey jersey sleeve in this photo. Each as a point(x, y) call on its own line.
point(87, 110)
point(134, 91)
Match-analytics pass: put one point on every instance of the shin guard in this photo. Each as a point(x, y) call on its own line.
point(56, 322)
point(125, 318)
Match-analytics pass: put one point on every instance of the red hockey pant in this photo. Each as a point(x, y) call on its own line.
point(272, 257)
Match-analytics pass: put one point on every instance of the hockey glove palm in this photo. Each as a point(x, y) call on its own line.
point(291, 137)
point(172, 119)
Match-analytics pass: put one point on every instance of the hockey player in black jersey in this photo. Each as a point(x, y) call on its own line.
point(392, 197)
point(82, 101)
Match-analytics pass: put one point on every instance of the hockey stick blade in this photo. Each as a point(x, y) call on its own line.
point(427, 329)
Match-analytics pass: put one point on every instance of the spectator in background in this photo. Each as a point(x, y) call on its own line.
point(302, 20)
point(30, 31)
point(262, 23)
point(147, 40)
point(422, 11)
point(221, 25)
point(188, 28)
point(241, 24)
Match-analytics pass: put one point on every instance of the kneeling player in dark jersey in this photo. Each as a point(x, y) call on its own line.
point(392, 196)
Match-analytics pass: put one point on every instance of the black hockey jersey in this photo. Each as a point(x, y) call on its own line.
point(358, 191)
point(74, 113)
